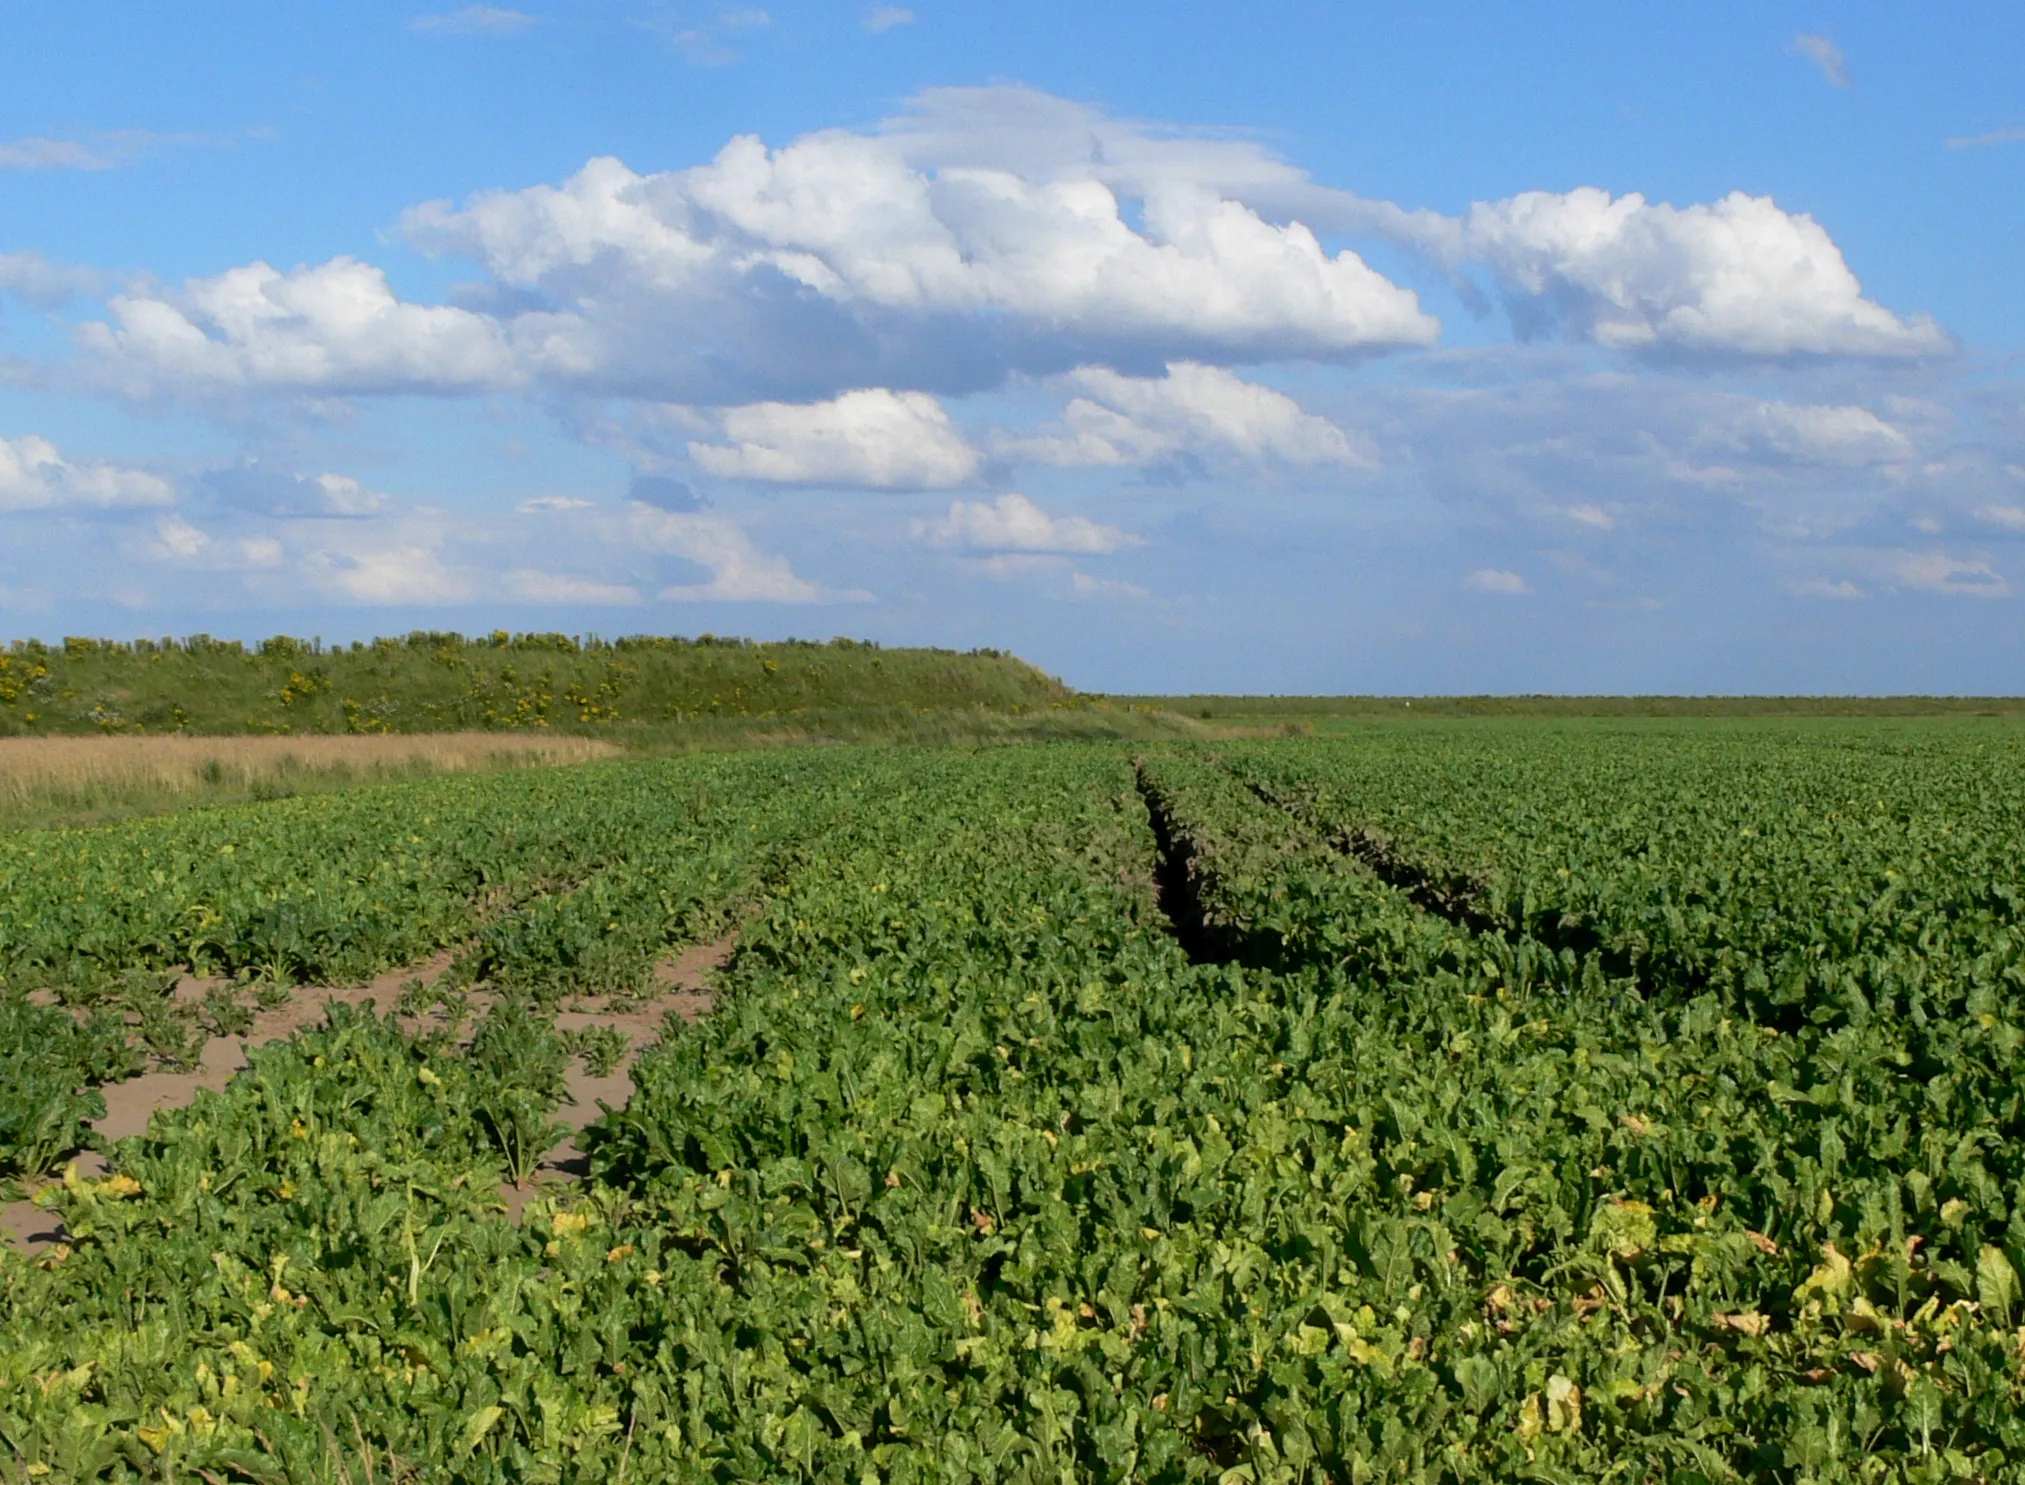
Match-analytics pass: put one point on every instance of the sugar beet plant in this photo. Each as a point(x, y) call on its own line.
point(545, 884)
point(977, 1174)
point(50, 1064)
point(576, 877)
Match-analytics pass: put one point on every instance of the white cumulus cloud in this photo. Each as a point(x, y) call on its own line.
point(871, 437)
point(981, 235)
point(1738, 276)
point(1846, 437)
point(252, 486)
point(178, 541)
point(1141, 420)
point(341, 495)
point(178, 538)
point(1013, 523)
point(868, 252)
point(396, 574)
point(885, 17)
point(34, 475)
point(739, 571)
point(336, 327)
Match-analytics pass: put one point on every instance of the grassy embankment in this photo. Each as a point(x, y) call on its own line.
point(92, 731)
point(430, 682)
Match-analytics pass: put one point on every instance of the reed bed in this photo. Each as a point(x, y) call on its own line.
point(83, 780)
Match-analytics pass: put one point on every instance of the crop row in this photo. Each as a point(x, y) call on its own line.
point(1810, 874)
point(545, 883)
point(978, 1175)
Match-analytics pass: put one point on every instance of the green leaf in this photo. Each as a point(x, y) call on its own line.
point(1996, 1282)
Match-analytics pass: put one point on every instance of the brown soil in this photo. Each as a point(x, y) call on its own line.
point(683, 985)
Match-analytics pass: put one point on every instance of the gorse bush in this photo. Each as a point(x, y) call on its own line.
point(438, 682)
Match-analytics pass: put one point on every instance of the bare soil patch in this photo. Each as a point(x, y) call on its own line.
point(683, 985)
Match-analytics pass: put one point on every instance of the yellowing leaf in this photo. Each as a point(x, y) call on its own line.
point(1996, 1283)
point(1747, 1322)
point(477, 1425)
point(1564, 1405)
point(1624, 1229)
point(1831, 1279)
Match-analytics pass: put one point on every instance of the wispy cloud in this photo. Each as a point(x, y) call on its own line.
point(474, 20)
point(533, 585)
point(1096, 587)
point(1938, 572)
point(1496, 580)
point(885, 17)
point(35, 280)
point(106, 150)
point(37, 153)
point(706, 46)
point(1995, 136)
point(1825, 54)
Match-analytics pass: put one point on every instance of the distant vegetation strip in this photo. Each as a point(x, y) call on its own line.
point(445, 682)
point(1321, 708)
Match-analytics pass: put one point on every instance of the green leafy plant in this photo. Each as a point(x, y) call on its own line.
point(222, 1014)
point(518, 1062)
point(48, 1064)
point(1536, 1103)
point(602, 1048)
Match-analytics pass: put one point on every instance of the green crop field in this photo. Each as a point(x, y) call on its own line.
point(1456, 1101)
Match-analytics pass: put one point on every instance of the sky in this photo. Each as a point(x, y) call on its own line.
point(1410, 349)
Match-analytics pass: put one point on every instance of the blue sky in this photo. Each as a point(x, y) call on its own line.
point(1449, 347)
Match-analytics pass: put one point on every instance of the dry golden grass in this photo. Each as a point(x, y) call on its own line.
point(81, 779)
